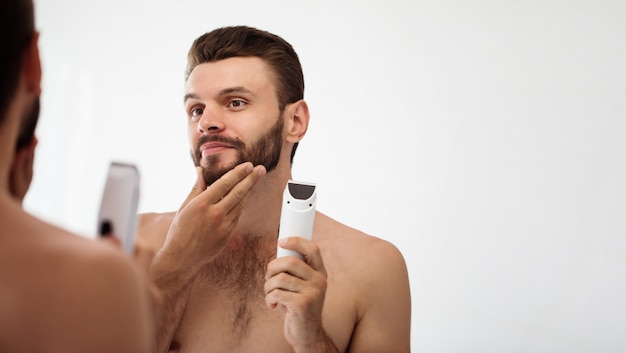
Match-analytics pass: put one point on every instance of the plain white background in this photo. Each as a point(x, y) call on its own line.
point(485, 139)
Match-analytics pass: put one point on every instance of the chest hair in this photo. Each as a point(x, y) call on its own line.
point(239, 273)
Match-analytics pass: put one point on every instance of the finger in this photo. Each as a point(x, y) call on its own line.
point(309, 250)
point(285, 300)
point(222, 186)
point(273, 299)
point(198, 187)
point(282, 281)
point(232, 200)
point(270, 300)
point(234, 187)
point(291, 266)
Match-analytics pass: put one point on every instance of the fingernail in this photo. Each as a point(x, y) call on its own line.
point(249, 167)
point(262, 171)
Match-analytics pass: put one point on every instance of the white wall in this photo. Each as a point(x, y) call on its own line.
point(486, 139)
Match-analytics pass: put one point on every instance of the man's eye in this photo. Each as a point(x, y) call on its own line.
point(196, 112)
point(237, 103)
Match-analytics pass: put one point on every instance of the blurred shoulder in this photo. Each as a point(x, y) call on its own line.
point(100, 283)
point(58, 279)
point(84, 256)
point(51, 245)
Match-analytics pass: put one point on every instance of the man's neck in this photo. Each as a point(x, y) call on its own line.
point(261, 208)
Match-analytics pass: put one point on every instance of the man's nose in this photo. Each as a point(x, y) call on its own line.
point(211, 120)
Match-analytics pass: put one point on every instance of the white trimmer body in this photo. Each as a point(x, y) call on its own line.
point(297, 213)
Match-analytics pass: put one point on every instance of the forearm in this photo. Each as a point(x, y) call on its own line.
point(175, 287)
point(322, 345)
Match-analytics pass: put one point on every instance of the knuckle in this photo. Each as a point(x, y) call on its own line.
point(322, 283)
point(214, 217)
point(315, 249)
point(307, 301)
point(284, 278)
point(226, 185)
point(291, 261)
point(238, 193)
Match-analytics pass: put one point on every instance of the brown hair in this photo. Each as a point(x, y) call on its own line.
point(243, 41)
point(17, 26)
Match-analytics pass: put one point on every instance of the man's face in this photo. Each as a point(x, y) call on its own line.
point(265, 151)
point(233, 116)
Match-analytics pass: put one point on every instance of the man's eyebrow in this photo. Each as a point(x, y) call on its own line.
point(224, 92)
point(190, 96)
point(236, 89)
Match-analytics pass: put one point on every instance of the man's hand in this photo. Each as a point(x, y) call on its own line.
point(206, 219)
point(298, 289)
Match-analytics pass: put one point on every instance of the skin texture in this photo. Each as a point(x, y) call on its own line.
point(223, 288)
point(60, 292)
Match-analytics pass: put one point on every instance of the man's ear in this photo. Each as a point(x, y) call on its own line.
point(32, 65)
point(22, 170)
point(297, 121)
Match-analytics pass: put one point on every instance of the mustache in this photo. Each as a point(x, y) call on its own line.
point(235, 142)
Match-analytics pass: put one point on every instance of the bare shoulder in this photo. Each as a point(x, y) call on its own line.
point(43, 244)
point(370, 264)
point(61, 280)
point(90, 267)
point(152, 227)
point(155, 220)
point(101, 285)
point(370, 273)
point(348, 246)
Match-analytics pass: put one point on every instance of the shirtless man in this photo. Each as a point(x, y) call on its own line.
point(59, 292)
point(224, 289)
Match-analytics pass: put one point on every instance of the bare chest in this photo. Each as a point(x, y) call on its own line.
point(228, 323)
point(226, 309)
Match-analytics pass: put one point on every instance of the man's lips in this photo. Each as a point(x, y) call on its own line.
point(213, 147)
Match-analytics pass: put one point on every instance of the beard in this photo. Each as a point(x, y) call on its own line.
point(265, 151)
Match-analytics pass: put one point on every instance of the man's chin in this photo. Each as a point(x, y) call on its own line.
point(213, 171)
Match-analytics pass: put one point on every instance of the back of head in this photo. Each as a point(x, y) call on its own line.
point(242, 41)
point(17, 26)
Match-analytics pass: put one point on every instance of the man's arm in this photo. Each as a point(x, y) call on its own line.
point(199, 231)
point(170, 285)
point(174, 286)
point(385, 321)
point(383, 316)
point(298, 288)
